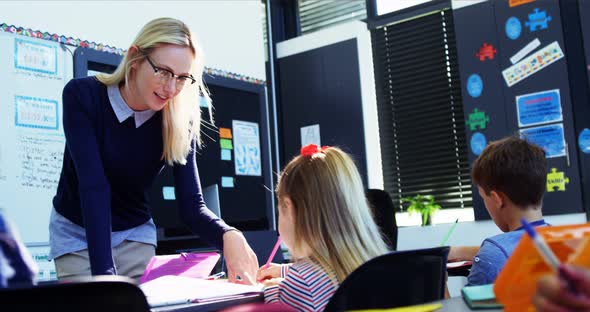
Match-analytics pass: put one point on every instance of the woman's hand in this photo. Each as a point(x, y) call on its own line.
point(241, 261)
point(272, 271)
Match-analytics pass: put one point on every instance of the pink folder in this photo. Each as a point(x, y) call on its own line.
point(196, 265)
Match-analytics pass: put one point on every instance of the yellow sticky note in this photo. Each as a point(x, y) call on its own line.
point(416, 308)
point(225, 133)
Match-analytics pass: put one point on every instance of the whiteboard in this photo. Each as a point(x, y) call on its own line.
point(31, 132)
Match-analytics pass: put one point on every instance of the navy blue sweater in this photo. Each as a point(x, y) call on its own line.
point(108, 169)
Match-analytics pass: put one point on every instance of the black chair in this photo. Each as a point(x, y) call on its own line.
point(101, 293)
point(395, 279)
point(384, 212)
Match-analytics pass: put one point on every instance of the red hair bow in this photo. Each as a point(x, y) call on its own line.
point(311, 149)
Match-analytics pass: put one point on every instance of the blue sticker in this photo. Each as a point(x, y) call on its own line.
point(584, 140)
point(203, 102)
point(474, 85)
point(168, 193)
point(225, 154)
point(550, 138)
point(513, 28)
point(227, 182)
point(478, 143)
point(538, 108)
point(538, 20)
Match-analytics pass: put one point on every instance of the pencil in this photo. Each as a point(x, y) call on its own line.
point(444, 241)
point(273, 253)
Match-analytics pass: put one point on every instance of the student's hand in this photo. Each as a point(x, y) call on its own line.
point(272, 282)
point(553, 293)
point(241, 261)
point(462, 253)
point(273, 271)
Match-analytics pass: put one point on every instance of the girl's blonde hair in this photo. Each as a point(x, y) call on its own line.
point(181, 118)
point(332, 217)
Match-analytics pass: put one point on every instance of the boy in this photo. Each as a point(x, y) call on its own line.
point(510, 175)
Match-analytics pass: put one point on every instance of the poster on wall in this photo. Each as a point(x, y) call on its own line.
point(310, 135)
point(550, 138)
point(538, 108)
point(532, 64)
point(246, 148)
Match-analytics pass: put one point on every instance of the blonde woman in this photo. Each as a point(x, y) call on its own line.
point(326, 223)
point(121, 129)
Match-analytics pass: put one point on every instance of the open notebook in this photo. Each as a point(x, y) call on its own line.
point(169, 289)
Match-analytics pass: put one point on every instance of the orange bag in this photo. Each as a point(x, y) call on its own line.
point(516, 284)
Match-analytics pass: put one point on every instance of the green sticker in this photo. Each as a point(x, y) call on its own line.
point(477, 119)
point(556, 180)
point(225, 144)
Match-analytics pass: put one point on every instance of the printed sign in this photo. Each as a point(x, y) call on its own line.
point(247, 158)
point(538, 20)
point(584, 141)
point(538, 108)
point(32, 112)
point(310, 135)
point(474, 85)
point(532, 64)
point(513, 28)
point(478, 143)
point(35, 57)
point(550, 138)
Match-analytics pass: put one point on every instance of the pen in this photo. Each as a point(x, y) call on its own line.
point(547, 254)
point(216, 276)
point(444, 241)
point(273, 253)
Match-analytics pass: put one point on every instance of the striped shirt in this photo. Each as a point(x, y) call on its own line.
point(306, 287)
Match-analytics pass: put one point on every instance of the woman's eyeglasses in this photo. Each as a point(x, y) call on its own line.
point(165, 75)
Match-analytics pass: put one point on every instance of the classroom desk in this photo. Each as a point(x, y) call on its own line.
point(210, 306)
point(456, 304)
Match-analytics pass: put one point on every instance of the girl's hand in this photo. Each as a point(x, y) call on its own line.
point(272, 282)
point(272, 271)
point(553, 293)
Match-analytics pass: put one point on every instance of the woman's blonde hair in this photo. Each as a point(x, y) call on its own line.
point(181, 118)
point(332, 217)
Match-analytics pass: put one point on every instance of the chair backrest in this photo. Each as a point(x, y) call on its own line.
point(110, 294)
point(395, 279)
point(384, 212)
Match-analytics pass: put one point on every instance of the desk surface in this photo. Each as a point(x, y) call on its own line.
point(210, 306)
point(457, 304)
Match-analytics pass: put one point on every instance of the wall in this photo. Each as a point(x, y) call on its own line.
point(229, 31)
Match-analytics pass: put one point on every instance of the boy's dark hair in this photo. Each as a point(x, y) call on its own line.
point(514, 167)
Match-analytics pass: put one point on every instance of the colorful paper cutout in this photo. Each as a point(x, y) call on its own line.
point(477, 119)
point(474, 85)
point(538, 20)
point(225, 133)
point(478, 143)
point(225, 144)
point(513, 3)
point(584, 141)
point(513, 28)
point(486, 51)
point(556, 180)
